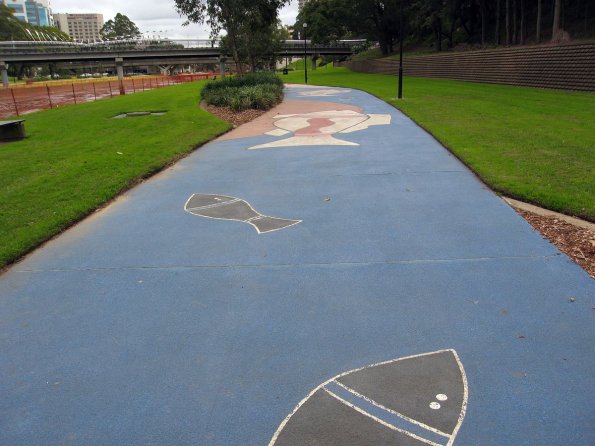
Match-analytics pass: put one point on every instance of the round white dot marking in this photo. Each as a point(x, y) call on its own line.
point(434, 405)
point(441, 397)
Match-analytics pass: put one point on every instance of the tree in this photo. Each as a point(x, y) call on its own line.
point(538, 30)
point(230, 16)
point(497, 33)
point(12, 28)
point(335, 19)
point(556, 25)
point(120, 27)
point(328, 20)
point(259, 44)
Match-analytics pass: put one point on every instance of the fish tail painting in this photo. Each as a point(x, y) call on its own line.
point(223, 207)
point(411, 401)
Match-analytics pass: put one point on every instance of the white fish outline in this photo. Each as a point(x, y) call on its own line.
point(450, 437)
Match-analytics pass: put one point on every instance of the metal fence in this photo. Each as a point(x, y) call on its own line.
point(18, 101)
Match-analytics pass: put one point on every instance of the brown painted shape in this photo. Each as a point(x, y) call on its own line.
point(265, 122)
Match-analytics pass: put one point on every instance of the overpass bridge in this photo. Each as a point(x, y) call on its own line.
point(136, 52)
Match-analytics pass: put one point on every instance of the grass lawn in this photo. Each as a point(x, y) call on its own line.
point(77, 157)
point(532, 144)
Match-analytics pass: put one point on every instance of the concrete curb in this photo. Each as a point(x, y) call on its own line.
point(547, 213)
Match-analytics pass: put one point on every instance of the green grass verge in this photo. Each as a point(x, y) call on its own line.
point(532, 144)
point(76, 158)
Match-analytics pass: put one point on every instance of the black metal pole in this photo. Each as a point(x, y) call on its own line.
point(401, 52)
point(305, 57)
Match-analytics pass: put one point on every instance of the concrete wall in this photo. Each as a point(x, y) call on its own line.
point(569, 67)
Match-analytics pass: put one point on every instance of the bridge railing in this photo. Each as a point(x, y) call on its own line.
point(12, 47)
point(29, 47)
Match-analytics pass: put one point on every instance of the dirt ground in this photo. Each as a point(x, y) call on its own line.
point(576, 242)
point(235, 118)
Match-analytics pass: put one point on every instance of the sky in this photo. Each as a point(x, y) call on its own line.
point(160, 18)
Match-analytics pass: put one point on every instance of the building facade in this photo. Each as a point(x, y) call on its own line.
point(38, 12)
point(35, 12)
point(80, 27)
point(19, 8)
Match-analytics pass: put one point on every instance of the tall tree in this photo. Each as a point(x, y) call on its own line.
point(482, 7)
point(497, 34)
point(229, 16)
point(556, 24)
point(522, 25)
point(515, 34)
point(120, 27)
point(538, 27)
point(328, 20)
point(507, 22)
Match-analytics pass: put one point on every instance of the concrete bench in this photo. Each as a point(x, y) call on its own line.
point(11, 130)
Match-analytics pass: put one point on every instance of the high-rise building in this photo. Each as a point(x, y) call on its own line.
point(38, 12)
point(19, 8)
point(81, 27)
point(35, 12)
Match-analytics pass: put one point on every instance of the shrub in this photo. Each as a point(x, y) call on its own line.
point(260, 91)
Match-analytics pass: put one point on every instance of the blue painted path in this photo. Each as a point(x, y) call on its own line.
point(147, 325)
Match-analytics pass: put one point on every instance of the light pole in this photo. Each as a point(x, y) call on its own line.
point(401, 51)
point(305, 54)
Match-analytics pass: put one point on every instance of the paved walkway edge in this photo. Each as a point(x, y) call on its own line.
point(547, 213)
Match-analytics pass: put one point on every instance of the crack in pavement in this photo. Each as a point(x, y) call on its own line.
point(290, 265)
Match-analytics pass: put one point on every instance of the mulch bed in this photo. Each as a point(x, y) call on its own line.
point(576, 242)
point(235, 118)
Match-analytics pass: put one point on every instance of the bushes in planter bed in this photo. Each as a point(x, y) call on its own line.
point(254, 90)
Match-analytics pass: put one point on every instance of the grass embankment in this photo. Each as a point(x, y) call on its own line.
point(78, 157)
point(259, 91)
point(532, 144)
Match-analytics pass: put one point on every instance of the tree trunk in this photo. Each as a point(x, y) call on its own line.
point(438, 34)
point(556, 24)
point(522, 39)
point(538, 32)
point(586, 16)
point(482, 6)
point(507, 22)
point(234, 54)
point(497, 35)
point(515, 34)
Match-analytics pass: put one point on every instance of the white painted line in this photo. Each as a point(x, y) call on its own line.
point(391, 411)
point(465, 397)
point(235, 200)
point(214, 205)
point(378, 420)
point(334, 378)
point(276, 229)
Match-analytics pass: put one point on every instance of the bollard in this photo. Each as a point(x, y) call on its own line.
point(49, 95)
point(14, 101)
point(4, 74)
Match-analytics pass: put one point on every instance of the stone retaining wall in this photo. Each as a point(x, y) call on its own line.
point(568, 67)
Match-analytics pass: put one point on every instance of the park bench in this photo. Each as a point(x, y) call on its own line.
point(11, 130)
